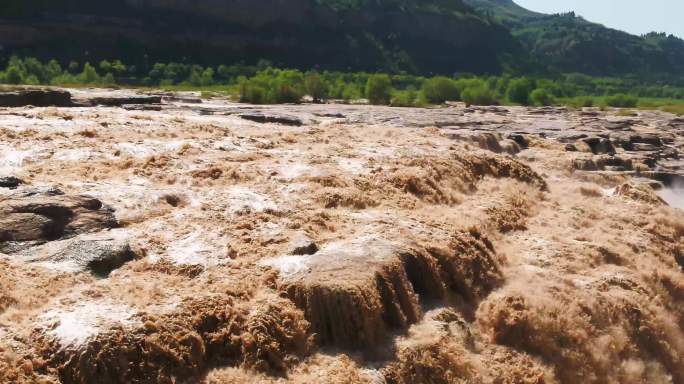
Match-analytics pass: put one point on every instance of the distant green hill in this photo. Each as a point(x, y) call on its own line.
point(505, 11)
point(568, 43)
point(419, 36)
point(415, 36)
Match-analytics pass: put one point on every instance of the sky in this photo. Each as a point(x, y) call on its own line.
point(634, 16)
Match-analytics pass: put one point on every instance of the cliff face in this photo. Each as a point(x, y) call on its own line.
point(299, 33)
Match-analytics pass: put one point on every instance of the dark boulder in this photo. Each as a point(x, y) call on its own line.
point(275, 119)
point(599, 145)
point(36, 97)
point(10, 182)
point(118, 101)
point(646, 138)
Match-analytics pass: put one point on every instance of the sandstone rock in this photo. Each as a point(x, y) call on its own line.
point(48, 215)
point(520, 139)
point(276, 119)
point(36, 97)
point(100, 254)
point(600, 163)
point(182, 99)
point(598, 145)
point(581, 146)
point(625, 125)
point(643, 147)
point(646, 138)
point(142, 107)
point(355, 292)
point(509, 146)
point(303, 245)
point(118, 101)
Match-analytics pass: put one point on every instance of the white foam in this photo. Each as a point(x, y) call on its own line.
point(199, 248)
point(293, 171)
point(12, 159)
point(148, 148)
point(77, 325)
point(353, 166)
point(241, 199)
point(74, 155)
point(608, 192)
point(287, 265)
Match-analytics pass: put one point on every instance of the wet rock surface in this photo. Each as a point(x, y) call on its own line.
point(44, 216)
point(99, 255)
point(179, 241)
point(268, 118)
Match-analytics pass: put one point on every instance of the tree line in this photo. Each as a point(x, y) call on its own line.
point(264, 84)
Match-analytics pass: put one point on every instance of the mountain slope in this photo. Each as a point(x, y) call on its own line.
point(417, 36)
point(434, 36)
point(568, 43)
point(505, 11)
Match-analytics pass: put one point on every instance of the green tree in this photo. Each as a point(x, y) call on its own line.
point(89, 75)
point(207, 77)
point(13, 75)
point(73, 67)
point(53, 70)
point(439, 89)
point(379, 89)
point(479, 94)
point(519, 91)
point(317, 87)
point(118, 67)
point(195, 75)
point(351, 92)
point(251, 91)
point(105, 66)
point(34, 70)
point(541, 97)
point(287, 87)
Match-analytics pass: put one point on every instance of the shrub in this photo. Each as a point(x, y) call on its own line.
point(479, 95)
point(622, 100)
point(251, 91)
point(519, 90)
point(541, 97)
point(378, 89)
point(439, 89)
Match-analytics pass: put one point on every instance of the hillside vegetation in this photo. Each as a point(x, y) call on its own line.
point(569, 43)
point(208, 42)
point(433, 36)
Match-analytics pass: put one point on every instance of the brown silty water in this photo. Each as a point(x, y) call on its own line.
point(224, 243)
